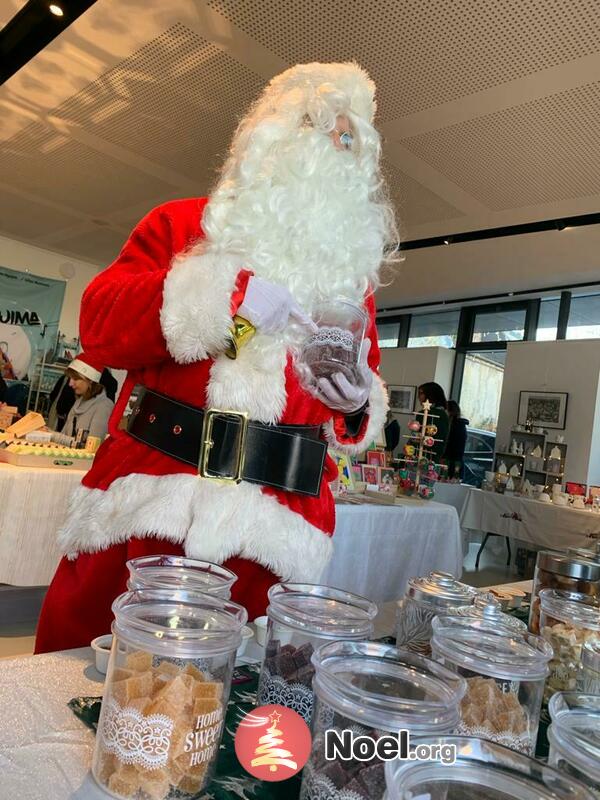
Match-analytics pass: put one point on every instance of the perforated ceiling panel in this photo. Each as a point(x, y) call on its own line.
point(175, 101)
point(67, 172)
point(101, 246)
point(534, 153)
point(422, 54)
point(415, 203)
point(26, 219)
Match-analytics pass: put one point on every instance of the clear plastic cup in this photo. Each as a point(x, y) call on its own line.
point(166, 691)
point(337, 344)
point(373, 689)
point(574, 737)
point(505, 673)
point(567, 621)
point(482, 771)
point(178, 572)
point(301, 617)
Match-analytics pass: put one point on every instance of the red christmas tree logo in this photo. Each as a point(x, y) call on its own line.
point(278, 752)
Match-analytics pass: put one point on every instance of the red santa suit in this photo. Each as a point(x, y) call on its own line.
point(166, 320)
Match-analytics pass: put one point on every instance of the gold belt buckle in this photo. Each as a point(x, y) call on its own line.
point(207, 444)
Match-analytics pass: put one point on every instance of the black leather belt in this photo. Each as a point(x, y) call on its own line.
point(226, 445)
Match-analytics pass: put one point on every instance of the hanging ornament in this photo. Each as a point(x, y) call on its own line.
point(429, 441)
point(414, 425)
point(431, 430)
point(409, 450)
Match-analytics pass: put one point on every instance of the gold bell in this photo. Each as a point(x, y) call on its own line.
point(241, 333)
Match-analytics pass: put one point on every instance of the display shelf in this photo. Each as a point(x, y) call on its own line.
point(531, 440)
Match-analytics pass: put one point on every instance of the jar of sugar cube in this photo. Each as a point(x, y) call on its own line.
point(568, 620)
point(178, 572)
point(505, 673)
point(301, 617)
point(574, 736)
point(366, 693)
point(166, 692)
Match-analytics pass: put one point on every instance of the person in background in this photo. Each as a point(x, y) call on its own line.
point(434, 393)
point(391, 433)
point(457, 440)
point(92, 408)
point(62, 398)
point(2, 389)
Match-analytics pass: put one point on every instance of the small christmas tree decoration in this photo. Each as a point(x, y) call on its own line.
point(420, 470)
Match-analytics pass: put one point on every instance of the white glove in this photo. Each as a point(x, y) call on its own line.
point(269, 307)
point(337, 393)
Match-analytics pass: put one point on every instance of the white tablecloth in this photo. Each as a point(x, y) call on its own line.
point(541, 525)
point(33, 504)
point(376, 549)
point(452, 494)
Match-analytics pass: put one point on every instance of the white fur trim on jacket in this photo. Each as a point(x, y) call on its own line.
point(195, 316)
point(377, 410)
point(214, 522)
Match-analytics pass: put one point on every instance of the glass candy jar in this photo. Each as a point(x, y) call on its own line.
point(486, 607)
point(505, 675)
point(166, 692)
point(563, 571)
point(436, 593)
point(178, 572)
point(567, 620)
point(302, 617)
point(574, 737)
point(373, 690)
point(481, 770)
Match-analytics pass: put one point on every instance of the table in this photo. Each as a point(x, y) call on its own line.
point(539, 525)
point(452, 494)
point(376, 549)
point(33, 505)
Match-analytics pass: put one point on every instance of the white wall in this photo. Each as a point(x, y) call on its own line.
point(565, 366)
point(20, 256)
point(404, 366)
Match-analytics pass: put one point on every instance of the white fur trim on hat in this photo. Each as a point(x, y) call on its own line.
point(195, 316)
point(214, 522)
point(377, 410)
point(81, 367)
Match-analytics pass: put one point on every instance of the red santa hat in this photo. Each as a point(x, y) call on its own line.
point(87, 366)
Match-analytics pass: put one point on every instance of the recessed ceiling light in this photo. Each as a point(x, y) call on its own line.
point(56, 10)
point(446, 241)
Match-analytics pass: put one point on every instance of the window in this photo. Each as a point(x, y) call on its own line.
point(548, 321)
point(388, 333)
point(481, 388)
point(584, 318)
point(499, 326)
point(434, 330)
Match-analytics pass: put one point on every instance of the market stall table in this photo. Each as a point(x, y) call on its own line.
point(539, 525)
point(33, 505)
point(377, 548)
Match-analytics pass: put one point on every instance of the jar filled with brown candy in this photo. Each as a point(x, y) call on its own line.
point(301, 618)
point(436, 593)
point(505, 674)
point(166, 693)
point(569, 571)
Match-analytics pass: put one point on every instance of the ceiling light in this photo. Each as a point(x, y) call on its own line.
point(56, 10)
point(446, 241)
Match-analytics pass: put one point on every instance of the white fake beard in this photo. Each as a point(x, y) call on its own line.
point(306, 220)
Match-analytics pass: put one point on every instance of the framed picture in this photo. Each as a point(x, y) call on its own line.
point(370, 474)
point(594, 491)
point(386, 476)
point(356, 472)
point(376, 458)
point(402, 399)
point(544, 409)
point(576, 488)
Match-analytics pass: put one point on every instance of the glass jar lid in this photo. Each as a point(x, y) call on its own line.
point(574, 608)
point(570, 566)
point(178, 623)
point(488, 608)
point(489, 649)
point(575, 730)
point(389, 689)
point(321, 610)
point(481, 769)
point(178, 572)
point(592, 552)
point(441, 590)
point(590, 655)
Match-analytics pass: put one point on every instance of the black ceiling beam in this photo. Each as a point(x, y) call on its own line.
point(507, 230)
point(32, 28)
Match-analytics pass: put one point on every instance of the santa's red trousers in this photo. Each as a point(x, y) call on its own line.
point(77, 605)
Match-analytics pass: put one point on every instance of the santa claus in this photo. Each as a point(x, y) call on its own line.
point(299, 216)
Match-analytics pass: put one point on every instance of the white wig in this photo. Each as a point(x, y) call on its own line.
point(296, 209)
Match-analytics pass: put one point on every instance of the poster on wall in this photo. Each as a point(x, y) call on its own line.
point(30, 307)
point(547, 409)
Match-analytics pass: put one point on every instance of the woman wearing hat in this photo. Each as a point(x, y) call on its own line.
point(91, 409)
